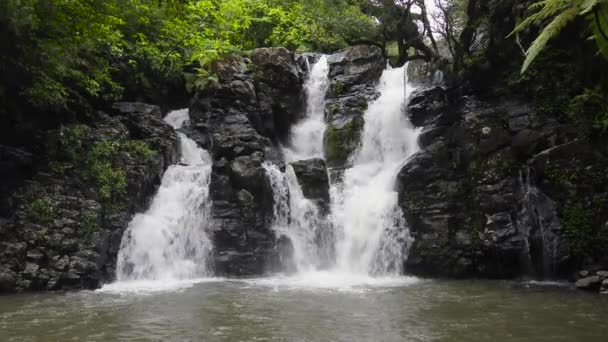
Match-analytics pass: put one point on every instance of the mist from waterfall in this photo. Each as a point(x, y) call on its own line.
point(169, 241)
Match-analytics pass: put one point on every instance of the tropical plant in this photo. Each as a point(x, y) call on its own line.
point(561, 13)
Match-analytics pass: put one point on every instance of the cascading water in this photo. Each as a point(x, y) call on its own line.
point(169, 241)
point(295, 216)
point(298, 218)
point(306, 138)
point(372, 233)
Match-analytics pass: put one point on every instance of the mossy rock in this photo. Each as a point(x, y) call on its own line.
point(340, 143)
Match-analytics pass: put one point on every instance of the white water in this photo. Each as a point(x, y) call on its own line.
point(298, 218)
point(372, 235)
point(306, 138)
point(169, 241)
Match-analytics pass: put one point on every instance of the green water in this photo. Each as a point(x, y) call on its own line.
point(269, 310)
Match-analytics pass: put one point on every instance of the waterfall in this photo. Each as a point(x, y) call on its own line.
point(169, 240)
point(298, 219)
point(370, 235)
point(306, 138)
point(539, 224)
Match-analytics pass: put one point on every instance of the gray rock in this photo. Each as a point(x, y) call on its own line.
point(136, 108)
point(7, 281)
point(313, 179)
point(592, 283)
point(428, 106)
point(602, 274)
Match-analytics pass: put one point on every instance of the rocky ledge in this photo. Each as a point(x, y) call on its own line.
point(501, 191)
point(66, 222)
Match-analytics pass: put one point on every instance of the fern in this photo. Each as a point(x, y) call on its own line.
point(599, 27)
point(563, 12)
point(549, 32)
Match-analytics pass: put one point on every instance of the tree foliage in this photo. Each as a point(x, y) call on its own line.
point(59, 51)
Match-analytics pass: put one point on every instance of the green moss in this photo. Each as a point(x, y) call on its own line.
point(73, 138)
point(333, 109)
point(90, 223)
point(336, 88)
point(589, 113)
point(573, 173)
point(102, 164)
point(138, 149)
point(584, 229)
point(340, 143)
point(40, 211)
point(362, 103)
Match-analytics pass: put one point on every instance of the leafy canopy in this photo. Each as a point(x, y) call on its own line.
point(58, 51)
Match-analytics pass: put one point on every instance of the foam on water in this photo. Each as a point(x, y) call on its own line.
point(331, 280)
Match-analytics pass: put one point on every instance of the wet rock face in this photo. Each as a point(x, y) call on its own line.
point(241, 122)
point(353, 75)
point(479, 197)
point(356, 65)
point(16, 165)
point(313, 179)
point(64, 233)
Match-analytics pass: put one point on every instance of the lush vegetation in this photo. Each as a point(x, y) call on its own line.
point(57, 52)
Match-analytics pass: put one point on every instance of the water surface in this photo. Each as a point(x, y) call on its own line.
point(296, 309)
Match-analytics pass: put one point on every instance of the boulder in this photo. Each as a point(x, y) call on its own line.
point(277, 67)
point(361, 64)
point(592, 283)
point(427, 106)
point(136, 109)
point(313, 178)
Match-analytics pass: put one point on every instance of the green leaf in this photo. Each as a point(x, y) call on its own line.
point(549, 32)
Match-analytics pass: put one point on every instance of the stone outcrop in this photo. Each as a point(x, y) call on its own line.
point(353, 75)
point(313, 179)
point(492, 191)
point(241, 121)
point(68, 220)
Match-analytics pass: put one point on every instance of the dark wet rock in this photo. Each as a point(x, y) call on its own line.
point(136, 108)
point(429, 105)
point(428, 135)
point(353, 75)
point(362, 64)
point(472, 203)
point(592, 283)
point(243, 119)
point(63, 234)
point(313, 179)
point(229, 68)
point(16, 165)
point(278, 67)
point(8, 281)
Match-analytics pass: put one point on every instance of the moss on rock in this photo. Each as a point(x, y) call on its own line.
point(341, 143)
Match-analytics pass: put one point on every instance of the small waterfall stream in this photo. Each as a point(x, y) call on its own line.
point(306, 138)
point(372, 233)
point(369, 234)
point(169, 240)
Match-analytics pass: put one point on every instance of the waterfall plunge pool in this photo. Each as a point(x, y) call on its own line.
point(309, 309)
